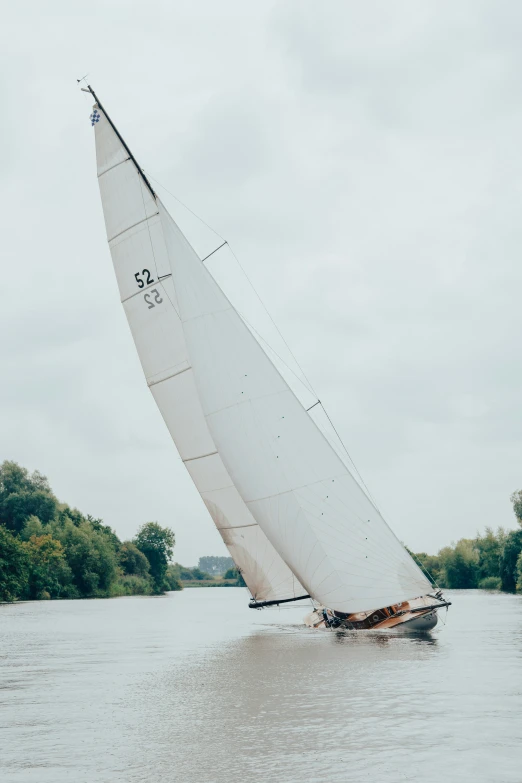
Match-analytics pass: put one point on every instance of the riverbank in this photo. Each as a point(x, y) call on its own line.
point(209, 583)
point(49, 549)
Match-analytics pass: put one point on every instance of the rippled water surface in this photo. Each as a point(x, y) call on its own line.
point(194, 686)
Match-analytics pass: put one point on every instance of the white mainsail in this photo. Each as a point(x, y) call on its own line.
point(295, 485)
point(136, 235)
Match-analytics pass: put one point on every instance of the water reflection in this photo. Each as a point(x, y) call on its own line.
point(383, 638)
point(194, 686)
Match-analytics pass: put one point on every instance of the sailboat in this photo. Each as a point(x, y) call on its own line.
point(296, 522)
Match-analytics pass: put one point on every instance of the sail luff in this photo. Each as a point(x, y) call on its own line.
point(122, 141)
point(136, 236)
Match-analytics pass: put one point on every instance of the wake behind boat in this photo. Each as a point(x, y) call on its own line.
point(294, 518)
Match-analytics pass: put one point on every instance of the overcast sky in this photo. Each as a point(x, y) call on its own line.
point(364, 162)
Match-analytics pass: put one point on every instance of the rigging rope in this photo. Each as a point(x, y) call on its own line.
point(247, 278)
point(306, 382)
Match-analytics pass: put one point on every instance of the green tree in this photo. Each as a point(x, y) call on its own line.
point(66, 512)
point(101, 527)
point(22, 495)
point(132, 560)
point(49, 573)
point(234, 573)
point(91, 556)
point(519, 572)
point(172, 578)
point(190, 574)
point(14, 567)
point(489, 548)
point(459, 565)
point(516, 499)
point(32, 527)
point(508, 561)
point(490, 583)
point(200, 575)
point(157, 544)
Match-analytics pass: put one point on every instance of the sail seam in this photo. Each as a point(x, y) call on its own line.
point(201, 456)
point(293, 489)
point(245, 401)
point(133, 226)
point(358, 530)
point(384, 568)
point(214, 312)
point(173, 375)
point(238, 527)
point(146, 288)
point(113, 167)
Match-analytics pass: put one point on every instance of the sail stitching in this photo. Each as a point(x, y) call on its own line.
point(307, 382)
point(398, 554)
point(146, 288)
point(133, 226)
point(289, 491)
point(243, 402)
point(271, 448)
point(372, 545)
point(173, 375)
point(333, 527)
point(364, 486)
point(214, 312)
point(201, 456)
point(345, 472)
point(356, 575)
point(112, 167)
point(160, 277)
point(375, 552)
point(310, 389)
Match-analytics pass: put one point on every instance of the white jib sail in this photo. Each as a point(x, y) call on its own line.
point(310, 507)
point(137, 243)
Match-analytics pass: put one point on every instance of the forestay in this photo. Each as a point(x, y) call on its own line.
point(136, 235)
point(295, 485)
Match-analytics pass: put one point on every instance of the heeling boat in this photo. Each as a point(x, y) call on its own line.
point(296, 522)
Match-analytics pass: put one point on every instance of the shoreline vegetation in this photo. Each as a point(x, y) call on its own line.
point(211, 571)
point(49, 550)
point(491, 561)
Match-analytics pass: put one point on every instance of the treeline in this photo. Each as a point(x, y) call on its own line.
point(196, 577)
point(214, 565)
point(492, 561)
point(50, 550)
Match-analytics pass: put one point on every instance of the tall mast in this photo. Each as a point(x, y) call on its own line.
point(118, 134)
point(141, 237)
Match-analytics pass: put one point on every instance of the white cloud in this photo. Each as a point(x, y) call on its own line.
point(364, 164)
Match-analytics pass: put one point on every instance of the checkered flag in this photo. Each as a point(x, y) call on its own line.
point(95, 117)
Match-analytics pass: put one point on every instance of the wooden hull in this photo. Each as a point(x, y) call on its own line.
point(415, 616)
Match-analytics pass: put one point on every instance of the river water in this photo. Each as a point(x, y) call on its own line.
point(194, 686)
